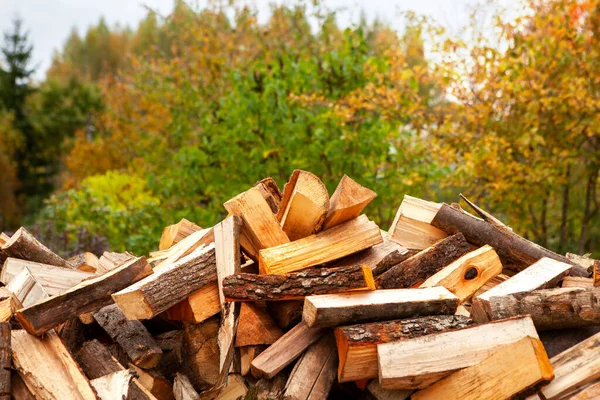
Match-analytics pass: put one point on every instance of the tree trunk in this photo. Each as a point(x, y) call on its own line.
point(565, 211)
point(590, 210)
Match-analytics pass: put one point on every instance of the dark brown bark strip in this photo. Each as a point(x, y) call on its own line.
point(131, 335)
point(5, 361)
point(25, 246)
point(415, 270)
point(96, 360)
point(252, 287)
point(509, 246)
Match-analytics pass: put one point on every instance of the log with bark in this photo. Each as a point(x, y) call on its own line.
point(347, 202)
point(25, 246)
point(87, 262)
point(5, 361)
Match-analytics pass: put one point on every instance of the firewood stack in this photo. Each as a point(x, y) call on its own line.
point(299, 295)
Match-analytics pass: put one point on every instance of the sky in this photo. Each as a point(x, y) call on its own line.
point(49, 22)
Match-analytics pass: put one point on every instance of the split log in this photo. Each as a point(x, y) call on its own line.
point(347, 202)
point(19, 390)
point(577, 281)
point(26, 289)
point(285, 350)
point(466, 275)
point(558, 308)
point(268, 389)
point(5, 361)
point(511, 247)
point(131, 335)
point(303, 206)
point(584, 261)
point(168, 285)
point(297, 285)
point(441, 354)
point(379, 258)
point(545, 273)
point(256, 327)
point(357, 344)
point(235, 389)
point(175, 233)
point(96, 361)
point(588, 393)
point(415, 270)
point(120, 385)
point(87, 262)
point(8, 307)
point(495, 281)
point(88, 296)
point(412, 225)
point(171, 344)
point(183, 388)
point(260, 225)
point(463, 310)
point(47, 367)
point(314, 373)
point(270, 192)
point(25, 246)
point(154, 383)
point(54, 280)
point(111, 260)
point(184, 248)
point(495, 377)
point(340, 309)
point(345, 239)
point(247, 354)
point(286, 313)
point(380, 393)
point(198, 306)
point(574, 369)
point(596, 273)
point(201, 353)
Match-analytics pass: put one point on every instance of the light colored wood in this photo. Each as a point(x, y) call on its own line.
point(3, 238)
point(270, 192)
point(47, 367)
point(197, 307)
point(183, 388)
point(88, 296)
point(154, 383)
point(8, 307)
point(113, 386)
point(111, 260)
point(463, 311)
point(419, 362)
point(201, 354)
point(466, 275)
point(412, 225)
point(168, 285)
point(256, 326)
point(345, 239)
point(235, 389)
point(185, 247)
point(314, 373)
point(577, 281)
point(495, 281)
point(340, 309)
point(510, 370)
point(596, 273)
point(545, 273)
point(387, 394)
point(303, 206)
point(260, 226)
point(53, 279)
point(175, 233)
point(285, 350)
point(574, 369)
point(589, 393)
point(87, 262)
point(27, 289)
point(347, 202)
point(247, 354)
point(584, 261)
point(25, 246)
point(357, 344)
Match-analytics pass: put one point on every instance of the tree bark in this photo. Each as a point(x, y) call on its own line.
point(5, 361)
point(96, 360)
point(25, 246)
point(564, 219)
point(590, 210)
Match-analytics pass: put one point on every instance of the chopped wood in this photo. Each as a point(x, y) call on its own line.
point(247, 354)
point(314, 373)
point(416, 269)
point(463, 310)
point(54, 280)
point(201, 353)
point(120, 385)
point(256, 327)
point(87, 262)
point(131, 335)
point(518, 251)
point(270, 192)
point(577, 281)
point(26, 289)
point(347, 202)
point(558, 308)
point(297, 285)
point(286, 313)
point(235, 389)
point(588, 393)
point(524, 364)
point(111, 260)
point(168, 285)
point(380, 393)
point(495, 281)
point(260, 226)
point(25, 246)
point(88, 296)
point(96, 361)
point(340, 309)
point(47, 368)
point(175, 233)
point(154, 383)
point(183, 388)
point(584, 261)
point(268, 389)
point(412, 225)
point(417, 363)
point(303, 206)
point(198, 306)
point(357, 344)
point(545, 273)
point(8, 307)
point(596, 273)
point(171, 344)
point(3, 238)
point(285, 350)
point(345, 239)
point(184, 248)
point(5, 361)
point(19, 390)
point(463, 277)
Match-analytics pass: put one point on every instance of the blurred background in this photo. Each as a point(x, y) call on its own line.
point(118, 118)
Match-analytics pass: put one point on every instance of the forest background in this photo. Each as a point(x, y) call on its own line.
point(134, 129)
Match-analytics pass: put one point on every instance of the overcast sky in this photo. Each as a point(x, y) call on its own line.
point(50, 21)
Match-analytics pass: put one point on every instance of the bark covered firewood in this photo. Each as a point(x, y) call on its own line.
point(357, 344)
point(87, 262)
point(96, 360)
point(25, 246)
point(330, 310)
point(416, 269)
point(297, 285)
point(88, 296)
point(5, 361)
point(131, 335)
point(347, 202)
point(511, 247)
point(201, 353)
point(171, 344)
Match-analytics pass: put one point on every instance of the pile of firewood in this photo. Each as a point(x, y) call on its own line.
point(298, 295)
